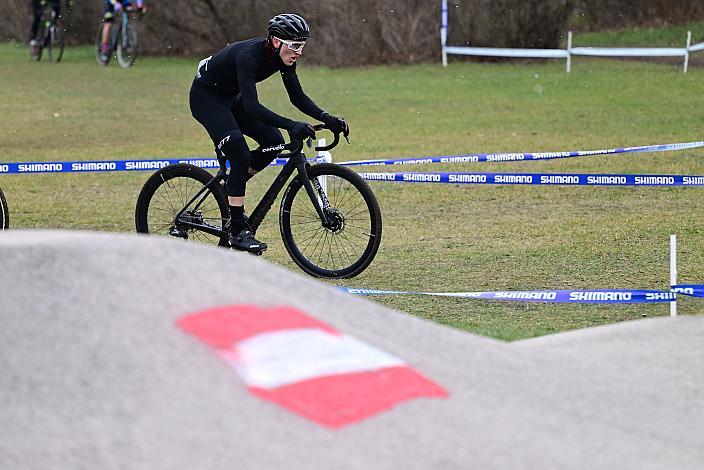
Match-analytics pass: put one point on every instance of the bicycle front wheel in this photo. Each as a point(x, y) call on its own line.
point(35, 52)
point(55, 41)
point(127, 46)
point(349, 243)
point(98, 42)
point(4, 213)
point(169, 192)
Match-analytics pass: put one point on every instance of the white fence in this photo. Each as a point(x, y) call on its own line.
point(565, 53)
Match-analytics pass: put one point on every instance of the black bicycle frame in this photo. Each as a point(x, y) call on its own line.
point(296, 161)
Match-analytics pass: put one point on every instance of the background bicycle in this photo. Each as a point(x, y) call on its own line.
point(123, 39)
point(4, 213)
point(51, 31)
point(329, 219)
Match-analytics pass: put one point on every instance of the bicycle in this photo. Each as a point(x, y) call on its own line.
point(4, 213)
point(329, 218)
point(123, 38)
point(50, 36)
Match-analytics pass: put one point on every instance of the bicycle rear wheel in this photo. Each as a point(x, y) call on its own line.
point(349, 245)
point(168, 191)
point(55, 41)
point(127, 46)
point(4, 213)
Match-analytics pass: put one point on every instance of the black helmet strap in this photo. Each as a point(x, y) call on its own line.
point(276, 49)
point(273, 53)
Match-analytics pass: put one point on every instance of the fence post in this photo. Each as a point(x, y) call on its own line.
point(673, 273)
point(443, 31)
point(686, 54)
point(569, 51)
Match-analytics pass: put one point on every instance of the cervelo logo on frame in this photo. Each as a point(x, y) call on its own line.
point(273, 149)
point(306, 366)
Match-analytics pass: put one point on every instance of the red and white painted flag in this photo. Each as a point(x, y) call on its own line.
point(299, 362)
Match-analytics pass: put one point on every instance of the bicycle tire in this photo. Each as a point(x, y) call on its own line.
point(168, 190)
point(4, 213)
point(98, 42)
point(55, 41)
point(126, 57)
point(352, 244)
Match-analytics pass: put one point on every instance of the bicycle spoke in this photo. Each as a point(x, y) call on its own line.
point(352, 243)
point(307, 210)
point(163, 227)
point(307, 222)
point(341, 248)
point(305, 242)
point(170, 198)
point(316, 229)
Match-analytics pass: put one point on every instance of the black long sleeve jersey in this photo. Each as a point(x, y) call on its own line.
point(237, 69)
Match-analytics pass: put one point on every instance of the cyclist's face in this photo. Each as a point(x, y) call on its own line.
point(289, 53)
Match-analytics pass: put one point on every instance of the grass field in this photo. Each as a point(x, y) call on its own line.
point(670, 36)
point(436, 237)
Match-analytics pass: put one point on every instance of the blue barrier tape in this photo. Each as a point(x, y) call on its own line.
point(515, 157)
point(692, 290)
point(569, 179)
point(614, 296)
point(113, 165)
point(209, 162)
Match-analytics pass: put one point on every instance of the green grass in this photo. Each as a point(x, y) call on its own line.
point(670, 36)
point(436, 237)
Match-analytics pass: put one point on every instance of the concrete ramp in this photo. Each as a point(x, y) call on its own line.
point(97, 373)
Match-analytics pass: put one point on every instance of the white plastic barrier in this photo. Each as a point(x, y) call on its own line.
point(564, 53)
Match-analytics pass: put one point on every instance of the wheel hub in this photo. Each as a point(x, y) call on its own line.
point(180, 230)
point(336, 221)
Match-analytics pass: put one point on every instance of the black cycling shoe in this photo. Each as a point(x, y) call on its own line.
point(245, 241)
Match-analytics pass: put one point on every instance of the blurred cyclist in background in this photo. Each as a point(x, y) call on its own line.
point(38, 11)
point(112, 7)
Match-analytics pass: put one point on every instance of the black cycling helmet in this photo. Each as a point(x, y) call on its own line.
point(290, 27)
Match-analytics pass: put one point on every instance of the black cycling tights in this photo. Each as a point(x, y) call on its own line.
point(227, 124)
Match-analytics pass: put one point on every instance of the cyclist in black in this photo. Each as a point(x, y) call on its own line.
point(38, 11)
point(223, 98)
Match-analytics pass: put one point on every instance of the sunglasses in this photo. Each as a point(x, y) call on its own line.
point(295, 46)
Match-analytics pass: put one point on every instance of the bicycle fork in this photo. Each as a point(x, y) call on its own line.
point(315, 193)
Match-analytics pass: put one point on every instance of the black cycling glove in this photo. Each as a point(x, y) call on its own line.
point(301, 131)
point(336, 124)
